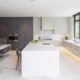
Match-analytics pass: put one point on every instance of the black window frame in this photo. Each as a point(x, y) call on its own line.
point(75, 24)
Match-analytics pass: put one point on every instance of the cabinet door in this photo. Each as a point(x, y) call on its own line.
point(2, 52)
point(73, 48)
point(36, 25)
point(76, 51)
point(65, 44)
point(47, 23)
point(69, 47)
point(6, 49)
point(61, 25)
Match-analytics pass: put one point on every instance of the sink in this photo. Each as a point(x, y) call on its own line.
point(46, 44)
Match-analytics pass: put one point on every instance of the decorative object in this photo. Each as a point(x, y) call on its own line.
point(66, 36)
point(34, 41)
point(39, 38)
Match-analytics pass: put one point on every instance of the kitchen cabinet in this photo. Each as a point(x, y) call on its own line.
point(36, 25)
point(4, 49)
point(47, 23)
point(72, 48)
point(7, 49)
point(56, 43)
point(76, 50)
point(61, 26)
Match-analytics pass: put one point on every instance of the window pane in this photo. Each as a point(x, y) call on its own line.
point(77, 17)
point(77, 29)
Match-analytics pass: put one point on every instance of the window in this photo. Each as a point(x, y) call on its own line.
point(77, 26)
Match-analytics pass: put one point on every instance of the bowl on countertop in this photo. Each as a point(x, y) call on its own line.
point(34, 41)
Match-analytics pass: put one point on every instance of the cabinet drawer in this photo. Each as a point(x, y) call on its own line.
point(2, 51)
point(73, 48)
point(7, 49)
point(76, 52)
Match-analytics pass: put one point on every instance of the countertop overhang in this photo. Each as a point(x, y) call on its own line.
point(72, 42)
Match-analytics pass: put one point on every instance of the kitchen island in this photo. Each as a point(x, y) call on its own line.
point(40, 59)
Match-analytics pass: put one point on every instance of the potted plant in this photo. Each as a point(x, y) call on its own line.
point(66, 36)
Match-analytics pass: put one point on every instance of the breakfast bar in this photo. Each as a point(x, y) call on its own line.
point(40, 59)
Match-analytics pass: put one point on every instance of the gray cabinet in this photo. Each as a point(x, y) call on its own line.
point(37, 25)
point(2, 52)
point(72, 48)
point(76, 50)
point(3, 41)
point(4, 49)
point(23, 26)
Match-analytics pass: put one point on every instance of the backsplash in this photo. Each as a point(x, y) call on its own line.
point(52, 36)
point(57, 37)
point(46, 34)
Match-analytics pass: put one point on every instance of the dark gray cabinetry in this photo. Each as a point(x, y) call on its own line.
point(4, 50)
point(23, 26)
point(1, 52)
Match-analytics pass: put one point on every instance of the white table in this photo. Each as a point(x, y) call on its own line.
point(40, 60)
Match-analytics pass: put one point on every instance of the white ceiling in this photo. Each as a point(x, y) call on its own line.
point(39, 8)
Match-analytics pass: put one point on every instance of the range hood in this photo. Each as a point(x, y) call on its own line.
point(47, 23)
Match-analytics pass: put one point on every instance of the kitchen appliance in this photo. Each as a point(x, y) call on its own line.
point(13, 37)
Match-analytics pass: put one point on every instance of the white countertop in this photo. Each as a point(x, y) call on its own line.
point(40, 47)
point(4, 46)
point(72, 42)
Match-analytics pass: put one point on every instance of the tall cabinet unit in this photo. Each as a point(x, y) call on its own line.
point(62, 26)
point(22, 26)
point(36, 25)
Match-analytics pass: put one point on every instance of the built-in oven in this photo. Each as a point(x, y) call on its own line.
point(13, 37)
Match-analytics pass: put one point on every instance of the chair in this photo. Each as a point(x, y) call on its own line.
point(18, 52)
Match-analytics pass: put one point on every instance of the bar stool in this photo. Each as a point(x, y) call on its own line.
point(18, 53)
